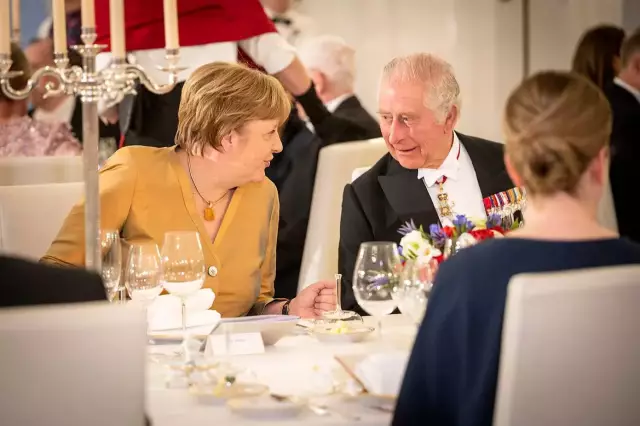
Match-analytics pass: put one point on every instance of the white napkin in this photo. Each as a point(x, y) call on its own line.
point(166, 311)
point(382, 373)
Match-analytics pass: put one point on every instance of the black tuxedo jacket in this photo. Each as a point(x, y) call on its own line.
point(364, 125)
point(625, 152)
point(27, 283)
point(376, 204)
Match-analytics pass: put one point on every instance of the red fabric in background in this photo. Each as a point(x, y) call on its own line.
point(199, 22)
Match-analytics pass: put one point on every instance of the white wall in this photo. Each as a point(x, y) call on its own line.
point(481, 38)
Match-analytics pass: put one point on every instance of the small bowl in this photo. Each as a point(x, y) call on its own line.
point(219, 394)
point(266, 408)
point(350, 335)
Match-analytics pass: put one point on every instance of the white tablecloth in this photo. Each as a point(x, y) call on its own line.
point(295, 365)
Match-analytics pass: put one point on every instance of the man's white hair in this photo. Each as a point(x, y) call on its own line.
point(442, 91)
point(333, 57)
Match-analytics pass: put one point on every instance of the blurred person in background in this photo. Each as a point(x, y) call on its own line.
point(624, 97)
point(597, 54)
point(20, 135)
point(294, 26)
point(330, 62)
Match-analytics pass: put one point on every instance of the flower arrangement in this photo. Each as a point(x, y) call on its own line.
point(443, 241)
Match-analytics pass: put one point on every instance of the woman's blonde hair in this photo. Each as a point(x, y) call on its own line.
point(555, 124)
point(221, 97)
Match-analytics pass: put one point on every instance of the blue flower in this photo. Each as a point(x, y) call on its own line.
point(494, 220)
point(437, 234)
point(462, 224)
point(408, 227)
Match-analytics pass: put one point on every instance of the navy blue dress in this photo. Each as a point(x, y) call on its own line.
point(452, 374)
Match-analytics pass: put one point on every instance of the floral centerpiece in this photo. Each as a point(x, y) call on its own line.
point(440, 242)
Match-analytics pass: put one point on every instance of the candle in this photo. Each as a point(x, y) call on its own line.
point(15, 20)
point(116, 24)
point(5, 28)
point(171, 38)
point(88, 14)
point(59, 27)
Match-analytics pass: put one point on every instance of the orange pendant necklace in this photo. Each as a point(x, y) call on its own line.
point(208, 213)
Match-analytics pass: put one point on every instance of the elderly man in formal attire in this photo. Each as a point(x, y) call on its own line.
point(431, 172)
point(624, 98)
point(332, 68)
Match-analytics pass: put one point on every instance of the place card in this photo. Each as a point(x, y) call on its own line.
point(235, 344)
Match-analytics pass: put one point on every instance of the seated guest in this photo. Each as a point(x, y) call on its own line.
point(212, 182)
point(27, 283)
point(558, 150)
point(597, 55)
point(331, 65)
point(419, 107)
point(624, 97)
point(20, 135)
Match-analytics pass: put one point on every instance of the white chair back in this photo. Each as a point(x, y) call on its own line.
point(359, 172)
point(40, 170)
point(80, 364)
point(32, 215)
point(570, 349)
point(336, 164)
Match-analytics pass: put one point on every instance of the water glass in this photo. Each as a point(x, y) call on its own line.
point(183, 268)
point(142, 273)
point(111, 262)
point(376, 274)
point(414, 287)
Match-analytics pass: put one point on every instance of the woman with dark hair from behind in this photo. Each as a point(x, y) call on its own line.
point(597, 55)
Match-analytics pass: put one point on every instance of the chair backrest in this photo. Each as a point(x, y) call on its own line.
point(359, 172)
point(78, 364)
point(40, 170)
point(335, 167)
point(31, 216)
point(570, 349)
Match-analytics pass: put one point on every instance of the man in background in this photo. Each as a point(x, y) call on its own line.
point(331, 65)
point(624, 97)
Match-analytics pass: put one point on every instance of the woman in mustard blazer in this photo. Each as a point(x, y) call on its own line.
point(213, 182)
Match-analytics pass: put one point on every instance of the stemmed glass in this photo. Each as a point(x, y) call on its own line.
point(111, 262)
point(183, 268)
point(142, 274)
point(413, 288)
point(376, 274)
point(338, 314)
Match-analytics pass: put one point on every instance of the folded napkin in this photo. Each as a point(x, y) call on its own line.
point(382, 374)
point(166, 311)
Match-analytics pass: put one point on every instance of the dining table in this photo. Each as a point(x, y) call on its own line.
point(298, 365)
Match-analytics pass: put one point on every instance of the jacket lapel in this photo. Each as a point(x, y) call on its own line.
point(408, 197)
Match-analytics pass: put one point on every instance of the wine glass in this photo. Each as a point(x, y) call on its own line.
point(142, 274)
point(111, 262)
point(375, 276)
point(414, 287)
point(183, 269)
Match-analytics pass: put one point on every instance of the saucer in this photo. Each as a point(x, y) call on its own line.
point(266, 408)
point(219, 394)
point(342, 333)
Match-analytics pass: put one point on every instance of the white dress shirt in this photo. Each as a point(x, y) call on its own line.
point(629, 88)
point(461, 184)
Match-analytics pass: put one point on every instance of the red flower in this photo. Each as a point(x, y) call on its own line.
point(448, 230)
point(481, 234)
point(498, 229)
point(439, 259)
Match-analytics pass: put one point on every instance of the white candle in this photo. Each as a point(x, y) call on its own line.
point(116, 18)
point(88, 14)
point(15, 20)
point(59, 27)
point(171, 38)
point(5, 28)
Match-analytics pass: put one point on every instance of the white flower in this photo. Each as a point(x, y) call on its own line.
point(414, 246)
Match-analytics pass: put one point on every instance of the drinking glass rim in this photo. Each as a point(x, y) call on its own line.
point(379, 243)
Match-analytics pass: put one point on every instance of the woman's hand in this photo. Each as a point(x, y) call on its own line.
point(314, 300)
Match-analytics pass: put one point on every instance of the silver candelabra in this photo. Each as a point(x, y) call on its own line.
point(111, 85)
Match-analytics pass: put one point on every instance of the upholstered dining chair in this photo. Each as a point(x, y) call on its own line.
point(336, 164)
point(31, 216)
point(75, 364)
point(570, 349)
point(40, 170)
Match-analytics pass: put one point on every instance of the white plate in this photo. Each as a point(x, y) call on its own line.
point(265, 408)
point(353, 335)
point(212, 394)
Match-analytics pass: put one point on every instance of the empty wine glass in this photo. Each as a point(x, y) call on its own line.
point(142, 274)
point(375, 276)
point(413, 288)
point(183, 268)
point(111, 262)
